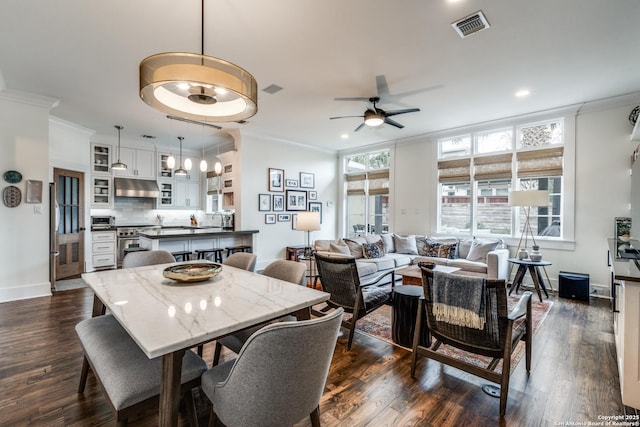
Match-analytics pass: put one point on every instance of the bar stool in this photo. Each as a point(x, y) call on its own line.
point(238, 248)
point(217, 254)
point(182, 255)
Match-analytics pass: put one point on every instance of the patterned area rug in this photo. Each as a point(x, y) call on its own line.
point(378, 325)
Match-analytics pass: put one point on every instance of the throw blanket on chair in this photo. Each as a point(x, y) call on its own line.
point(459, 300)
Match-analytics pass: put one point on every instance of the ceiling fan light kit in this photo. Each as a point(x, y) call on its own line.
point(373, 118)
point(198, 87)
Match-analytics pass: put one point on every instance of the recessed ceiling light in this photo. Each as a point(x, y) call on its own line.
point(522, 93)
point(344, 136)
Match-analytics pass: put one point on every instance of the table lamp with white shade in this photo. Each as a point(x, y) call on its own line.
point(308, 221)
point(527, 199)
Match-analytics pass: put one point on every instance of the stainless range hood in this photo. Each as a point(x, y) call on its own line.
point(129, 187)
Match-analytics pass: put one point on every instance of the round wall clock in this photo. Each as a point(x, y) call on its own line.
point(12, 196)
point(12, 177)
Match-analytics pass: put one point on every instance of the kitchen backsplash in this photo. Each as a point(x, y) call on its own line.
point(140, 211)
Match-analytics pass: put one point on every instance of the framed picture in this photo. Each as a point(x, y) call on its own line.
point(34, 191)
point(270, 218)
point(316, 207)
point(228, 169)
point(278, 202)
point(296, 200)
point(264, 202)
point(276, 179)
point(292, 183)
point(307, 180)
point(294, 221)
point(313, 195)
point(228, 183)
point(623, 229)
point(284, 217)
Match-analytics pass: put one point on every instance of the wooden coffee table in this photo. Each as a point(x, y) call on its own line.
point(412, 275)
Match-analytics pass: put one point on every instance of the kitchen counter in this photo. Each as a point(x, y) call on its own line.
point(191, 232)
point(624, 268)
point(189, 239)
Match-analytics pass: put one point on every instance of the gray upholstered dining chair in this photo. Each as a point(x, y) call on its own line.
point(142, 258)
point(290, 271)
point(243, 260)
point(279, 376)
point(130, 380)
point(339, 277)
point(470, 313)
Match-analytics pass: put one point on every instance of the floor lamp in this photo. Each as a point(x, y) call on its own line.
point(527, 199)
point(308, 221)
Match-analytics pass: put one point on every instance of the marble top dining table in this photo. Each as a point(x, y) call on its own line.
point(165, 317)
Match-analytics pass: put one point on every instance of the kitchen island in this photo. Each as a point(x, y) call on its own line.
point(177, 239)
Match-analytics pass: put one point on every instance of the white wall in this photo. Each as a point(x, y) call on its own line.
point(24, 253)
point(602, 189)
point(257, 155)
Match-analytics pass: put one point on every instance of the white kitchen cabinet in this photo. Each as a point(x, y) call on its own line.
point(140, 163)
point(164, 171)
point(187, 194)
point(101, 191)
point(100, 158)
point(626, 327)
point(625, 293)
point(103, 249)
point(167, 193)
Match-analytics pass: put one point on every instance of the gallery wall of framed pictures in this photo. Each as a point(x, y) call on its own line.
point(287, 195)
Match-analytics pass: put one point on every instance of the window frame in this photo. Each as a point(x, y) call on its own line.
point(567, 208)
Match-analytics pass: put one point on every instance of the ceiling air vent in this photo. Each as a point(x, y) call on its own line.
point(271, 89)
point(471, 24)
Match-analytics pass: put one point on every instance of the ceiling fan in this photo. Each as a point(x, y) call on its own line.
point(375, 116)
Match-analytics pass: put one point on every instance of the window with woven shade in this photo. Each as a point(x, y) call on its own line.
point(367, 193)
point(476, 173)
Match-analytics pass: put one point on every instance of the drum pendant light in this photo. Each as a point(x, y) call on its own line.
point(118, 165)
point(198, 87)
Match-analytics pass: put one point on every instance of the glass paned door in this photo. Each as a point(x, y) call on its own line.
point(70, 234)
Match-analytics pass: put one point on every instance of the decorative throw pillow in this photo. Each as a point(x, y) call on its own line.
point(440, 249)
point(342, 249)
point(405, 244)
point(480, 249)
point(447, 250)
point(420, 244)
point(373, 250)
point(464, 247)
point(430, 248)
point(387, 242)
point(355, 248)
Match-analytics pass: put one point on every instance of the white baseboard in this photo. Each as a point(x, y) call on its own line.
point(27, 291)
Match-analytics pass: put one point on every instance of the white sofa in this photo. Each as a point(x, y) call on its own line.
point(474, 256)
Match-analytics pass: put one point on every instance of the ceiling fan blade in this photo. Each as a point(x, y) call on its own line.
point(359, 127)
point(414, 92)
point(388, 121)
point(352, 98)
point(396, 112)
point(382, 86)
point(343, 117)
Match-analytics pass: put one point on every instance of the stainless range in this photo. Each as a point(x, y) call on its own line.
point(128, 238)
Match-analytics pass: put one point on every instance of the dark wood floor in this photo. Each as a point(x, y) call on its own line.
point(574, 376)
